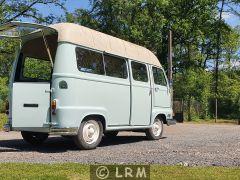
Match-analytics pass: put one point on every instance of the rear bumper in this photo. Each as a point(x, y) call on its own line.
point(63, 131)
point(171, 122)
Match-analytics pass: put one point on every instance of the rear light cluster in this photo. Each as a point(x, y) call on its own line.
point(54, 106)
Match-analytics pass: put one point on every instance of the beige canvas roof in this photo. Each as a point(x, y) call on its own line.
point(84, 36)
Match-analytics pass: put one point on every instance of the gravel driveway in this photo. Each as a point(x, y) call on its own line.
point(191, 144)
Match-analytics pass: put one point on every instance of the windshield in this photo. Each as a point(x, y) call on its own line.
point(34, 64)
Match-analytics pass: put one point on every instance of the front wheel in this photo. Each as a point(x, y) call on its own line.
point(89, 134)
point(156, 131)
point(34, 138)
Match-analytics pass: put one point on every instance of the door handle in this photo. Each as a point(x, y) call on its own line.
point(30, 105)
point(49, 91)
point(156, 89)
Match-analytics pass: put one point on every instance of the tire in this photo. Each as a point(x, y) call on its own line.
point(111, 134)
point(156, 131)
point(34, 138)
point(89, 134)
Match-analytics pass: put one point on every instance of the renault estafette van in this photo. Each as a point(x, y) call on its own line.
point(73, 81)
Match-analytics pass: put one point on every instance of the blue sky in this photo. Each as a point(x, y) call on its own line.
point(71, 5)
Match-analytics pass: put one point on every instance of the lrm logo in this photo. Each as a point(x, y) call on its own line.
point(131, 172)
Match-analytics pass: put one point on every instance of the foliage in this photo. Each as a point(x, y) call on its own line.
point(37, 69)
point(3, 93)
point(197, 30)
point(196, 27)
point(16, 10)
point(196, 86)
point(3, 120)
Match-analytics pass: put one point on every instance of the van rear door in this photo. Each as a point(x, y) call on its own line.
point(30, 83)
point(15, 29)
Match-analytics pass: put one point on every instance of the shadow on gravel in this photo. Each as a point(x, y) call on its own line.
point(60, 144)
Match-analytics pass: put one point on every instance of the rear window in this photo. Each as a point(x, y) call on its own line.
point(31, 69)
point(34, 64)
point(89, 61)
point(37, 69)
point(115, 67)
point(139, 72)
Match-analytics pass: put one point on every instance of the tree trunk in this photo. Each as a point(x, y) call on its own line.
point(218, 57)
point(189, 109)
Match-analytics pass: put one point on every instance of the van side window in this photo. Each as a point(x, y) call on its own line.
point(89, 61)
point(159, 77)
point(115, 67)
point(36, 70)
point(139, 72)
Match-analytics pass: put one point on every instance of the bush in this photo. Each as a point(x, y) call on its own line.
point(3, 120)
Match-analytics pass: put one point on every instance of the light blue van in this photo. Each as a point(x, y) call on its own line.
point(73, 81)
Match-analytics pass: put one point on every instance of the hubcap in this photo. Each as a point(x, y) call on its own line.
point(91, 132)
point(157, 128)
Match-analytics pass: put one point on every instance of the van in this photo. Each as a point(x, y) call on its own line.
point(73, 81)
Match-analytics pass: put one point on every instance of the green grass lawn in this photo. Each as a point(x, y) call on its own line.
point(78, 171)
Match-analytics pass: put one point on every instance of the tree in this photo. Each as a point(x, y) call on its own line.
point(195, 26)
point(15, 10)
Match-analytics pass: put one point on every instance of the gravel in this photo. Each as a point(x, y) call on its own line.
point(183, 144)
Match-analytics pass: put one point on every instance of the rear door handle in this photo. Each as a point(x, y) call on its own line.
point(48, 91)
point(30, 105)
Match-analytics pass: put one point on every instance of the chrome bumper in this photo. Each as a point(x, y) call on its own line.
point(63, 131)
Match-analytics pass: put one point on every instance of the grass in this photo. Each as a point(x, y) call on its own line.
point(43, 171)
point(180, 172)
point(78, 171)
point(3, 120)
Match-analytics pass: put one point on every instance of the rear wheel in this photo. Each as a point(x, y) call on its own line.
point(156, 131)
point(89, 134)
point(34, 138)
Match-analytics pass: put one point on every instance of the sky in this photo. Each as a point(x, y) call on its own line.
point(71, 5)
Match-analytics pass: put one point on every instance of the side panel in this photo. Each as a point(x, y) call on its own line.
point(141, 102)
point(161, 94)
point(87, 93)
point(30, 104)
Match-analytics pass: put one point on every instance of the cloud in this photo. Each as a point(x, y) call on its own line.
point(227, 15)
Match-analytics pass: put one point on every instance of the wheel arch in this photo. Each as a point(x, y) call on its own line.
point(163, 117)
point(98, 117)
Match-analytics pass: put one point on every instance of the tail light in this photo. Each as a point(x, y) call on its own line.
point(54, 106)
point(7, 107)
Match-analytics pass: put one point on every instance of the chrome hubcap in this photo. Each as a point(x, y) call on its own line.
point(157, 128)
point(91, 132)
